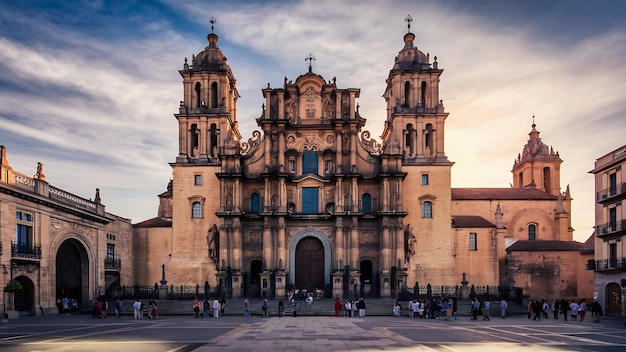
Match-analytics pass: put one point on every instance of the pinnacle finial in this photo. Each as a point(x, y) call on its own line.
point(213, 21)
point(310, 59)
point(408, 20)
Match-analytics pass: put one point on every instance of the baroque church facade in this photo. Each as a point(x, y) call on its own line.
point(311, 201)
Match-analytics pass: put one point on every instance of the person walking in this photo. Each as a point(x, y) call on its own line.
point(596, 310)
point(361, 307)
point(118, 308)
point(206, 308)
point(216, 308)
point(196, 307)
point(337, 306)
point(564, 308)
point(582, 309)
point(348, 307)
point(555, 308)
point(574, 308)
point(265, 308)
point(503, 307)
point(397, 309)
point(475, 309)
point(137, 310)
point(223, 304)
point(246, 307)
point(486, 306)
point(544, 308)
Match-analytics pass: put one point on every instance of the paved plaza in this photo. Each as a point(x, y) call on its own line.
point(79, 332)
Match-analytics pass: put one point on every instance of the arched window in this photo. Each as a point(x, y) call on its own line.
point(520, 180)
point(309, 161)
point(214, 102)
point(424, 93)
point(198, 95)
point(546, 180)
point(407, 93)
point(429, 138)
point(255, 203)
point(427, 209)
point(532, 232)
point(366, 203)
point(196, 210)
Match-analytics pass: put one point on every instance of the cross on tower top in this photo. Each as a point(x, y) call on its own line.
point(408, 20)
point(310, 59)
point(213, 21)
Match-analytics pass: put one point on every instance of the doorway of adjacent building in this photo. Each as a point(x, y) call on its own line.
point(72, 272)
point(24, 299)
point(614, 299)
point(309, 264)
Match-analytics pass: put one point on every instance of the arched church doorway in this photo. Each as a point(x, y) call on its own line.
point(72, 272)
point(614, 299)
point(256, 266)
point(366, 271)
point(24, 299)
point(309, 264)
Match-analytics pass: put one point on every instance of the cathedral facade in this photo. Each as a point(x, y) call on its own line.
point(311, 201)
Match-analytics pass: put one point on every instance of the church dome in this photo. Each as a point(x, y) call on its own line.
point(535, 149)
point(211, 58)
point(411, 58)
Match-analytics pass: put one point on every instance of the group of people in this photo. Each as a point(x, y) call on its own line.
point(215, 308)
point(139, 309)
point(577, 309)
point(66, 305)
point(352, 308)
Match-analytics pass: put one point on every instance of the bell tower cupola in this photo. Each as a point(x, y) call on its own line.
point(414, 127)
point(207, 117)
point(538, 166)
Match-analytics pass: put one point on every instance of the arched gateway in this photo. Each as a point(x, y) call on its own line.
point(72, 271)
point(309, 260)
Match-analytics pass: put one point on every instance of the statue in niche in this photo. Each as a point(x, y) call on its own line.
point(274, 107)
point(293, 107)
point(329, 107)
point(213, 239)
point(410, 243)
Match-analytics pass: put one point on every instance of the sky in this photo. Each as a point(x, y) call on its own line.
point(89, 88)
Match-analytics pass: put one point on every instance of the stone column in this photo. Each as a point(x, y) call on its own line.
point(268, 246)
point(354, 247)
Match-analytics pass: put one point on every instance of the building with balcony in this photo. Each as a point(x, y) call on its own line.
point(609, 264)
point(61, 245)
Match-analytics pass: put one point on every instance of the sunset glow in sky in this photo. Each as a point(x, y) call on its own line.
point(89, 88)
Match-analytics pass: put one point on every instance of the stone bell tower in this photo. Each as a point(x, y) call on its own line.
point(207, 116)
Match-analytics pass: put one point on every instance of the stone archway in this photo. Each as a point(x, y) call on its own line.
point(325, 246)
point(613, 299)
point(72, 271)
point(24, 299)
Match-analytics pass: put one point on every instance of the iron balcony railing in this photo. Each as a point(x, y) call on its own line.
point(607, 264)
point(611, 192)
point(112, 264)
point(611, 227)
point(21, 250)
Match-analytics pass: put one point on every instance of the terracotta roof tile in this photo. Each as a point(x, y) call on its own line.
point(155, 222)
point(500, 193)
point(545, 246)
point(470, 221)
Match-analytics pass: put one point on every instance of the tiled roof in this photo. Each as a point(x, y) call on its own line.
point(589, 245)
point(500, 194)
point(470, 221)
point(544, 246)
point(155, 222)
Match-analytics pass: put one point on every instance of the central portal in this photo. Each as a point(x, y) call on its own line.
point(310, 264)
